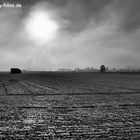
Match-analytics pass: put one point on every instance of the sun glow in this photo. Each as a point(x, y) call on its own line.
point(41, 28)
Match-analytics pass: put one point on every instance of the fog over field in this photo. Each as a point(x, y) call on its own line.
point(51, 34)
point(70, 69)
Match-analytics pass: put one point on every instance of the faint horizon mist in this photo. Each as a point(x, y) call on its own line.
point(88, 34)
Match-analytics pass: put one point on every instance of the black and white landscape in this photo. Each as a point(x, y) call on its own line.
point(69, 69)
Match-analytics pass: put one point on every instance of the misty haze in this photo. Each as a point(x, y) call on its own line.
point(69, 69)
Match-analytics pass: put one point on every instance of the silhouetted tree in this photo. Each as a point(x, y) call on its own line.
point(114, 70)
point(102, 68)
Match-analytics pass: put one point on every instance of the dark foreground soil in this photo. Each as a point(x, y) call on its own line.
point(70, 106)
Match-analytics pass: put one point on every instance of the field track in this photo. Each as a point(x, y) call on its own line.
point(69, 106)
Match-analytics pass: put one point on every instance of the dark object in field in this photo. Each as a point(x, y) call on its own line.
point(102, 68)
point(15, 70)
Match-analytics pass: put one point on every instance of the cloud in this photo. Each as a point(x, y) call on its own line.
point(91, 33)
point(79, 13)
point(128, 11)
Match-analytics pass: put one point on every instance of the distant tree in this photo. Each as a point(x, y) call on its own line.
point(107, 69)
point(77, 69)
point(114, 70)
point(102, 68)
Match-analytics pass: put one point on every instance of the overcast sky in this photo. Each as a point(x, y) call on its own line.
point(43, 35)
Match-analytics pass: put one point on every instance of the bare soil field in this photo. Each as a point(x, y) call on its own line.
point(70, 106)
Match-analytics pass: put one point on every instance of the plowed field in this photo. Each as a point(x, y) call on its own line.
point(69, 106)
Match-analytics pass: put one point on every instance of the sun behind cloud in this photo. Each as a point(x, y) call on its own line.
point(40, 27)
